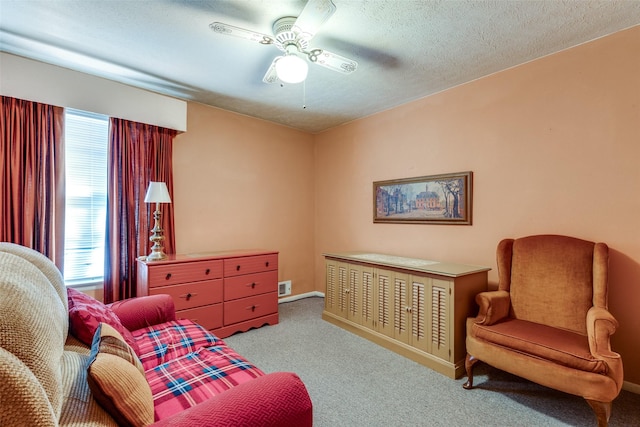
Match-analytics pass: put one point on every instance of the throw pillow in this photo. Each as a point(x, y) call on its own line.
point(117, 381)
point(86, 313)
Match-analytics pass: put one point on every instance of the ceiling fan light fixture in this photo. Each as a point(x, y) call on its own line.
point(292, 69)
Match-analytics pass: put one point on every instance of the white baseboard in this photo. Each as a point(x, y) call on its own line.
point(300, 296)
point(633, 388)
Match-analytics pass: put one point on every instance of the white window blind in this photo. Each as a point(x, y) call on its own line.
point(86, 140)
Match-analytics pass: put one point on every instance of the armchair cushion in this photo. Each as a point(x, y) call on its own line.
point(116, 379)
point(86, 313)
point(556, 345)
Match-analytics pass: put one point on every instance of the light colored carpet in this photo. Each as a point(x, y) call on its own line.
point(353, 382)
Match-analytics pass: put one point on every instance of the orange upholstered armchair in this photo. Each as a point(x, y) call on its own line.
point(548, 321)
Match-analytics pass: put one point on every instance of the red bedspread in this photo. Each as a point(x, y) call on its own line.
point(185, 365)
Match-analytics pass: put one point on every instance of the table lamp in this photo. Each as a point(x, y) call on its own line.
point(157, 193)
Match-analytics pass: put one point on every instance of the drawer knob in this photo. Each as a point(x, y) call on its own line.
point(253, 308)
point(207, 271)
point(266, 264)
point(168, 276)
point(188, 296)
point(253, 285)
point(237, 268)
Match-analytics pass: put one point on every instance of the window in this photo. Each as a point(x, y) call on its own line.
point(86, 140)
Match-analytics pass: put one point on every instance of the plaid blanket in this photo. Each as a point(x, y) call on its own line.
point(191, 379)
point(159, 344)
point(185, 365)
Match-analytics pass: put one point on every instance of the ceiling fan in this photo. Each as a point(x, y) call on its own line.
point(292, 36)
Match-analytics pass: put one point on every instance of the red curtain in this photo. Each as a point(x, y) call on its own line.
point(138, 153)
point(32, 176)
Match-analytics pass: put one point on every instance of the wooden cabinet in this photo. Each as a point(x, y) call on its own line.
point(226, 292)
point(415, 307)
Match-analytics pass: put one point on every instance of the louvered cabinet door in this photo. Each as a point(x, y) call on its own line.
point(366, 296)
point(440, 312)
point(384, 302)
point(343, 290)
point(419, 312)
point(354, 300)
point(401, 307)
point(331, 291)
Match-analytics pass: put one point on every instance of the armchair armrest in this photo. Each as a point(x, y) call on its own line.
point(140, 312)
point(494, 306)
point(600, 326)
point(276, 399)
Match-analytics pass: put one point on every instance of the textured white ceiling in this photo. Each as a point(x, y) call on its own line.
point(406, 49)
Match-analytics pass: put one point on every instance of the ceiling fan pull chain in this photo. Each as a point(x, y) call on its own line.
point(304, 94)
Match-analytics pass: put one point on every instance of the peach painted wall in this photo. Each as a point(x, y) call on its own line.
point(554, 146)
point(243, 183)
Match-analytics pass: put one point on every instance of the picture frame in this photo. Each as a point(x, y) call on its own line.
point(435, 199)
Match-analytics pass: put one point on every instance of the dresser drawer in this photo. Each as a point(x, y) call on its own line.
point(250, 308)
point(172, 274)
point(250, 264)
point(250, 284)
point(209, 317)
point(194, 294)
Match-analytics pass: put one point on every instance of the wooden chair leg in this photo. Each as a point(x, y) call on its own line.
point(469, 363)
point(602, 411)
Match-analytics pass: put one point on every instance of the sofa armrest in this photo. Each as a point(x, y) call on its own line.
point(494, 306)
point(276, 399)
point(141, 312)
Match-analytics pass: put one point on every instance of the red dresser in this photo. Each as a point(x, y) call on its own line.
point(226, 292)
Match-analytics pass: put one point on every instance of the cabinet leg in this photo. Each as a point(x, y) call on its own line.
point(469, 363)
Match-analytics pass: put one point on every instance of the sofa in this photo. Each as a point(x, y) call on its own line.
point(67, 359)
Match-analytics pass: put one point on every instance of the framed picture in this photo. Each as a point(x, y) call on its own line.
point(435, 199)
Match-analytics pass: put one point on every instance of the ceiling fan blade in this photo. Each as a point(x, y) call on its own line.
point(230, 30)
point(271, 76)
point(332, 61)
point(314, 14)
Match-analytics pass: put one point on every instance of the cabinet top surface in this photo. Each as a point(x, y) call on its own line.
point(173, 258)
point(414, 264)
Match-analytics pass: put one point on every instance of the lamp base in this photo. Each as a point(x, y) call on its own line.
point(157, 250)
point(156, 255)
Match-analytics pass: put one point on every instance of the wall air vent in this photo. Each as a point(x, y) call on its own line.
point(284, 288)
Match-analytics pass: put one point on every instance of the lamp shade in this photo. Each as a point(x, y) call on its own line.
point(292, 69)
point(157, 193)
